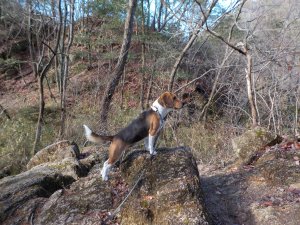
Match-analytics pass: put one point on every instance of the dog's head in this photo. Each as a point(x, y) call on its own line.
point(169, 100)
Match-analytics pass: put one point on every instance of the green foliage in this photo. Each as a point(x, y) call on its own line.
point(107, 8)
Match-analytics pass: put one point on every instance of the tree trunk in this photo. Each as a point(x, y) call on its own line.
point(41, 115)
point(118, 71)
point(66, 69)
point(30, 39)
point(250, 89)
point(150, 86)
point(42, 70)
point(159, 15)
point(212, 93)
point(148, 13)
point(143, 59)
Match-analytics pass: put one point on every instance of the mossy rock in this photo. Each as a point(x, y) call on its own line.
point(169, 191)
point(247, 145)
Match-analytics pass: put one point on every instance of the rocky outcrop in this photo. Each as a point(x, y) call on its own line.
point(168, 191)
point(265, 192)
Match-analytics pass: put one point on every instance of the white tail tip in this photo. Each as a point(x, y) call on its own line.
point(87, 130)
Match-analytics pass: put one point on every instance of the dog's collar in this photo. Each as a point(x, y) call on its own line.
point(160, 110)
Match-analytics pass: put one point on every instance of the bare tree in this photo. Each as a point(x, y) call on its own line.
point(190, 42)
point(117, 73)
point(41, 60)
point(65, 44)
point(243, 48)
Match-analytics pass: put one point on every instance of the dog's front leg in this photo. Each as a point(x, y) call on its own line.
point(151, 144)
point(105, 170)
point(146, 144)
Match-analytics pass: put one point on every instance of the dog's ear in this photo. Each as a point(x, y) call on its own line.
point(168, 99)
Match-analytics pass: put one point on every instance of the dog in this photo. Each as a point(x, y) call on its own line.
point(147, 125)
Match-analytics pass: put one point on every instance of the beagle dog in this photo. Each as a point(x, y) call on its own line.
point(147, 125)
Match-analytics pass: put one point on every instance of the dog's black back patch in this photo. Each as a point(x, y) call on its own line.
point(136, 130)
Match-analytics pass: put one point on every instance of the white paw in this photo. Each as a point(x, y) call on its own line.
point(153, 153)
point(105, 178)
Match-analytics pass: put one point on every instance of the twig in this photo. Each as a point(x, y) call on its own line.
point(192, 81)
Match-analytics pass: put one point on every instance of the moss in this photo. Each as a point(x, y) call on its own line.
point(186, 221)
point(144, 204)
point(260, 133)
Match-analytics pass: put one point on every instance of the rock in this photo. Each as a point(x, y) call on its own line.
point(278, 168)
point(54, 153)
point(266, 192)
point(67, 167)
point(274, 215)
point(22, 195)
point(246, 145)
point(81, 204)
point(169, 192)
point(93, 155)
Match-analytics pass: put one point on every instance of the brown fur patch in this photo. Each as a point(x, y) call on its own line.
point(115, 150)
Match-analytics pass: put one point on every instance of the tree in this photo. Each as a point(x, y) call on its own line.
point(118, 71)
point(65, 43)
point(193, 37)
point(244, 50)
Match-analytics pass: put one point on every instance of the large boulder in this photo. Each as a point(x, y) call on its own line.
point(249, 143)
point(169, 191)
point(62, 156)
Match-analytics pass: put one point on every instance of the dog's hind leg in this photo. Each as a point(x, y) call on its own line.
point(115, 152)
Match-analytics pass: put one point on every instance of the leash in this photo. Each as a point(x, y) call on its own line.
point(117, 210)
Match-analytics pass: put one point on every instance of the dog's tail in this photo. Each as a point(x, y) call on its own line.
point(93, 137)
